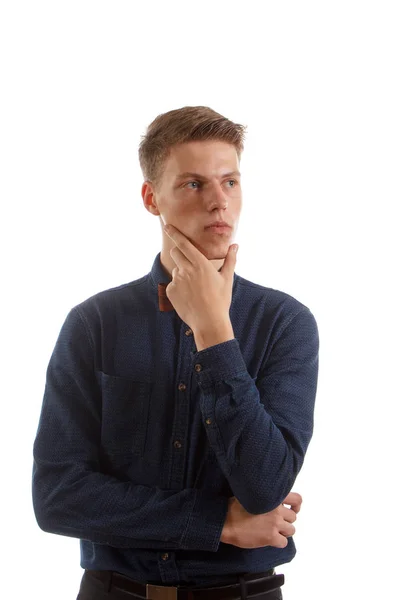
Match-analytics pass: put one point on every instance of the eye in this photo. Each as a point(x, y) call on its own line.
point(198, 183)
point(233, 180)
point(191, 182)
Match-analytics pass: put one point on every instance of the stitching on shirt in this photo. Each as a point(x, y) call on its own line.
point(302, 310)
point(86, 326)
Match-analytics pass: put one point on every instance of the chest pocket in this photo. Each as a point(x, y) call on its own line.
point(125, 409)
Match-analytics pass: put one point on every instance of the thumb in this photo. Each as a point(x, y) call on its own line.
point(230, 260)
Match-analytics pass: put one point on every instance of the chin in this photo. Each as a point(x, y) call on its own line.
point(211, 250)
point(214, 255)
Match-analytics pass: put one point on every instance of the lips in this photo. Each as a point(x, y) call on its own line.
point(218, 224)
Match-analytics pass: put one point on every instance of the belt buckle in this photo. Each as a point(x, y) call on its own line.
point(161, 592)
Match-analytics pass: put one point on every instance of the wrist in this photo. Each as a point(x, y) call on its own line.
point(226, 535)
point(220, 333)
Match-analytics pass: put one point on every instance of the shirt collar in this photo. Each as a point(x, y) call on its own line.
point(160, 279)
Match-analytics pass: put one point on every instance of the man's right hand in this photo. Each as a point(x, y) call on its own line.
point(246, 530)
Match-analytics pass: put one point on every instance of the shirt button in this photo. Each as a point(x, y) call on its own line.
point(177, 444)
point(188, 332)
point(182, 387)
point(165, 556)
point(197, 367)
point(208, 421)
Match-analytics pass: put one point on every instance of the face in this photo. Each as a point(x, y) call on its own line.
point(191, 202)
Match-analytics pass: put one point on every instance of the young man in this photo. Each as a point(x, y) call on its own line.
point(178, 407)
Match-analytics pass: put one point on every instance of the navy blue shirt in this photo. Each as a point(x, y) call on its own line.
point(142, 439)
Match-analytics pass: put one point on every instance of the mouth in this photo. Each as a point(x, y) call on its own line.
point(218, 229)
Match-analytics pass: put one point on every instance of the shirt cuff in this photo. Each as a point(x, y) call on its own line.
point(206, 522)
point(222, 361)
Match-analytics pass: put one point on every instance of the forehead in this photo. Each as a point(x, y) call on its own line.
point(205, 157)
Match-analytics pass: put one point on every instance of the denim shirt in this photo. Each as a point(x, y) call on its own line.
point(142, 439)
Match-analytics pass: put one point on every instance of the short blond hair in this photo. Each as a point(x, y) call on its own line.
point(184, 125)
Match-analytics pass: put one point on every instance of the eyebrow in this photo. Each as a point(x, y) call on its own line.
point(202, 178)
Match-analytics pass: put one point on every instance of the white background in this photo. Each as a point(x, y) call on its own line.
point(317, 85)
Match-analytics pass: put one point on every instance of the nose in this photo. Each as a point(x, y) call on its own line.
point(217, 195)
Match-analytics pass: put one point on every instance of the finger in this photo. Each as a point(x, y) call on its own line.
point(282, 542)
point(179, 258)
point(185, 246)
point(289, 515)
point(295, 507)
point(293, 499)
point(287, 529)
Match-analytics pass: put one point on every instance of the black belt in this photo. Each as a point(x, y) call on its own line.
point(263, 583)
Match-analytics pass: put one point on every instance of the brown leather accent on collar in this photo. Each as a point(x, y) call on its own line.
point(164, 302)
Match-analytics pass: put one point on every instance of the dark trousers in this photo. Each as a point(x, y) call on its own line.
point(91, 588)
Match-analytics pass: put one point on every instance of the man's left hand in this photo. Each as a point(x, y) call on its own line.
point(199, 293)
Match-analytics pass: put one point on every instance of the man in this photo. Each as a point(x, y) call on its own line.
point(178, 407)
